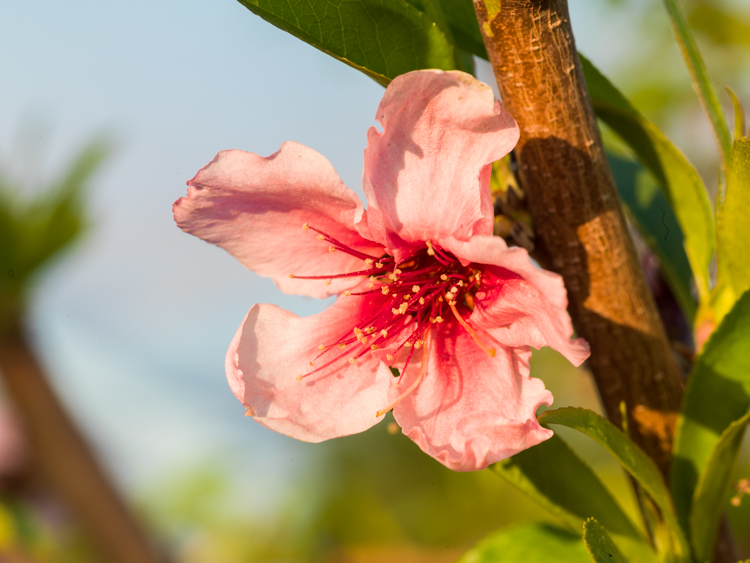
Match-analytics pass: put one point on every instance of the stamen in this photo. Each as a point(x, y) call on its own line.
point(385, 290)
point(347, 293)
point(415, 289)
point(369, 261)
point(331, 249)
point(463, 323)
point(414, 385)
point(304, 226)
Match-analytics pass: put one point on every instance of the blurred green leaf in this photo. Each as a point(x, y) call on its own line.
point(528, 543)
point(34, 232)
point(711, 492)
point(701, 81)
point(717, 394)
point(651, 213)
point(721, 26)
point(678, 179)
point(571, 491)
point(631, 458)
point(733, 243)
point(599, 544)
point(382, 38)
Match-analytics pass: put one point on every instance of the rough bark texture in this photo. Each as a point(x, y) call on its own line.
point(579, 225)
point(64, 458)
point(580, 229)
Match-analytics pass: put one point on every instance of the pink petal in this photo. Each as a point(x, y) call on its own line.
point(255, 207)
point(427, 174)
point(273, 347)
point(518, 303)
point(472, 410)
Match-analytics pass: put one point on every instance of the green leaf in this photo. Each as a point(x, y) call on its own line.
point(382, 38)
point(528, 543)
point(711, 493)
point(701, 81)
point(600, 547)
point(678, 179)
point(631, 458)
point(572, 492)
point(739, 115)
point(462, 20)
point(651, 213)
point(717, 394)
point(733, 243)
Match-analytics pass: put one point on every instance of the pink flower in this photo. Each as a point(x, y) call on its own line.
point(422, 285)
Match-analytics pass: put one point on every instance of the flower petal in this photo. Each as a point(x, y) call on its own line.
point(255, 207)
point(472, 410)
point(427, 174)
point(273, 347)
point(518, 303)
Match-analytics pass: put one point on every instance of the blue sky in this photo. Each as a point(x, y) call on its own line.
point(134, 325)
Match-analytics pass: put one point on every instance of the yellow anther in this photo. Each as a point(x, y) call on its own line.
point(342, 346)
point(347, 293)
point(402, 309)
point(321, 237)
point(331, 249)
point(369, 261)
point(378, 264)
point(385, 290)
point(415, 288)
point(321, 347)
point(394, 311)
point(397, 271)
point(438, 319)
point(329, 282)
point(373, 346)
point(407, 344)
point(421, 300)
point(443, 277)
point(352, 360)
point(407, 296)
point(370, 285)
point(430, 250)
point(440, 299)
point(299, 378)
point(304, 226)
point(417, 344)
point(311, 364)
point(370, 329)
point(389, 357)
point(291, 275)
point(460, 283)
point(384, 333)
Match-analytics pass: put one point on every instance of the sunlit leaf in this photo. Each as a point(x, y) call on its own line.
point(733, 242)
point(382, 38)
point(571, 491)
point(599, 544)
point(631, 458)
point(678, 179)
point(717, 394)
point(711, 493)
point(739, 115)
point(528, 543)
point(701, 81)
point(651, 213)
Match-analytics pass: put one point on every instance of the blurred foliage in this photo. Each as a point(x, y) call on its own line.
point(35, 229)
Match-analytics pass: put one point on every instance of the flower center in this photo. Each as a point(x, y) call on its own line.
point(422, 290)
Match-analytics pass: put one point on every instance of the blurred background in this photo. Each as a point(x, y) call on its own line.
point(131, 324)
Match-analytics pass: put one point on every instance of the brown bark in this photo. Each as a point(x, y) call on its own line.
point(581, 232)
point(580, 228)
point(64, 457)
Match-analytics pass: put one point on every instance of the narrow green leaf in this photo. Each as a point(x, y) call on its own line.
point(599, 544)
point(528, 543)
point(678, 179)
point(717, 394)
point(701, 81)
point(711, 493)
point(739, 115)
point(382, 38)
point(733, 242)
point(631, 458)
point(649, 209)
point(572, 492)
